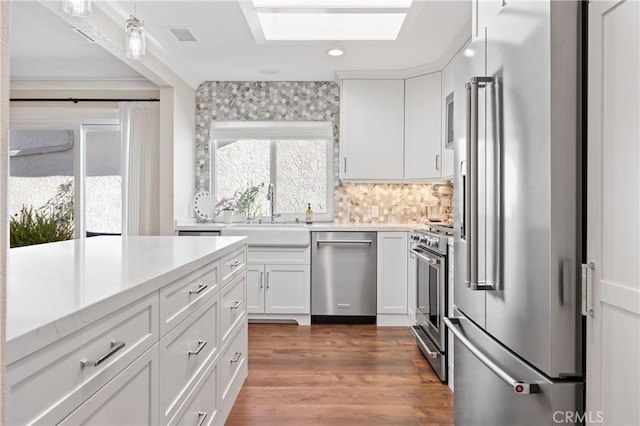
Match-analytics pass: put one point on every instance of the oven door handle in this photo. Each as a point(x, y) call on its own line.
point(422, 255)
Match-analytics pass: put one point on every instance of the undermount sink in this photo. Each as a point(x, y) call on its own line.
point(270, 234)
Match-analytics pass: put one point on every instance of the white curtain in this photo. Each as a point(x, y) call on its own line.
point(140, 128)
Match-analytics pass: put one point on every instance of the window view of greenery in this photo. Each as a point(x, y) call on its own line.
point(296, 168)
point(40, 186)
point(41, 183)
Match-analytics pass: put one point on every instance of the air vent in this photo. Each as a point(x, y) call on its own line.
point(183, 34)
point(83, 34)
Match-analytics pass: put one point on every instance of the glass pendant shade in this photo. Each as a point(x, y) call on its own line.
point(136, 40)
point(77, 7)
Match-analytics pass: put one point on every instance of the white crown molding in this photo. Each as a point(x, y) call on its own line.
point(57, 83)
point(459, 42)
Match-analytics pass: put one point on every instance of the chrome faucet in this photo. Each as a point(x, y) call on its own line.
point(272, 199)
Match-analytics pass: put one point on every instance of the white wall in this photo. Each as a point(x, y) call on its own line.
point(177, 154)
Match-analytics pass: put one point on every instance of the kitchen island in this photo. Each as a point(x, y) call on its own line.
point(126, 330)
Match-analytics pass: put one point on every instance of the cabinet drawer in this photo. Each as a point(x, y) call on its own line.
point(129, 399)
point(202, 407)
point(232, 365)
point(49, 384)
point(184, 351)
point(233, 306)
point(182, 297)
point(233, 263)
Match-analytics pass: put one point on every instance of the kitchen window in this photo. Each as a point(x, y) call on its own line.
point(295, 157)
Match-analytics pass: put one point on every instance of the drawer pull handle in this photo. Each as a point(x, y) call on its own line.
point(200, 289)
point(115, 347)
point(234, 263)
point(236, 304)
point(201, 345)
point(202, 416)
point(236, 357)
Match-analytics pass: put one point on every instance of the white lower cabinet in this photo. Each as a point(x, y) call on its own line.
point(279, 289)
point(203, 407)
point(279, 282)
point(123, 370)
point(131, 398)
point(186, 349)
point(392, 272)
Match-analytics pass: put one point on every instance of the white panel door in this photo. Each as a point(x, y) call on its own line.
point(613, 235)
point(288, 289)
point(392, 272)
point(423, 123)
point(255, 289)
point(372, 130)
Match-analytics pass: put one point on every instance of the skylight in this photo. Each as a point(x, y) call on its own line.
point(330, 26)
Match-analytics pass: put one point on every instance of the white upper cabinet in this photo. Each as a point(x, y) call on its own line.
point(446, 169)
point(372, 130)
point(423, 124)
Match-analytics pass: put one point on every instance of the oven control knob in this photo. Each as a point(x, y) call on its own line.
point(424, 240)
point(415, 237)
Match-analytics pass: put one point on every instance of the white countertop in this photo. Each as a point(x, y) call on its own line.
point(55, 289)
point(314, 227)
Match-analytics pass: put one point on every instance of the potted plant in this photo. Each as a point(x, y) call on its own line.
point(226, 206)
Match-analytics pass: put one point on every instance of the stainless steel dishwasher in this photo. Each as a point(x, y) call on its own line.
point(343, 277)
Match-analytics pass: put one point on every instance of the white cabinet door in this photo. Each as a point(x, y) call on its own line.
point(372, 130)
point(392, 272)
point(613, 215)
point(255, 289)
point(446, 167)
point(423, 123)
point(131, 398)
point(287, 289)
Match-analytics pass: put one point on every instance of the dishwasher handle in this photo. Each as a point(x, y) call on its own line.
point(369, 242)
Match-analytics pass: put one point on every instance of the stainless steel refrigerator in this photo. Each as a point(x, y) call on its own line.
point(517, 324)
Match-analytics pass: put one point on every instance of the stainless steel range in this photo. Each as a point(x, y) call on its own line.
point(429, 248)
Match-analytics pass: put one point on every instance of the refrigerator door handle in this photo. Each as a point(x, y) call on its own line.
point(471, 193)
point(519, 387)
point(587, 289)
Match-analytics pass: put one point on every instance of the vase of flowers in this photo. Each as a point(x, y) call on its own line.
point(225, 206)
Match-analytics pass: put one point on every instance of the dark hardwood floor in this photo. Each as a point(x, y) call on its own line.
point(339, 375)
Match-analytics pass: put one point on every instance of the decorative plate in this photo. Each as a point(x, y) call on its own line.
point(204, 205)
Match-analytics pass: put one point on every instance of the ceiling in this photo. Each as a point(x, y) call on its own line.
point(44, 47)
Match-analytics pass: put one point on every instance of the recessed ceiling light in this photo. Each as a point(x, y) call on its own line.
point(469, 53)
point(334, 4)
point(335, 52)
point(331, 26)
point(270, 71)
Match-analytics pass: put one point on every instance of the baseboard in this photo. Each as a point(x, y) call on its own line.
point(393, 320)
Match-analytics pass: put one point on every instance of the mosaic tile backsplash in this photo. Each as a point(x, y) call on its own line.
point(303, 101)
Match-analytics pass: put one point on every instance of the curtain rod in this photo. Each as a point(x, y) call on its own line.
point(76, 100)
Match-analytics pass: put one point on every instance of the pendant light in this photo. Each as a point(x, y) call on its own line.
point(136, 39)
point(77, 7)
